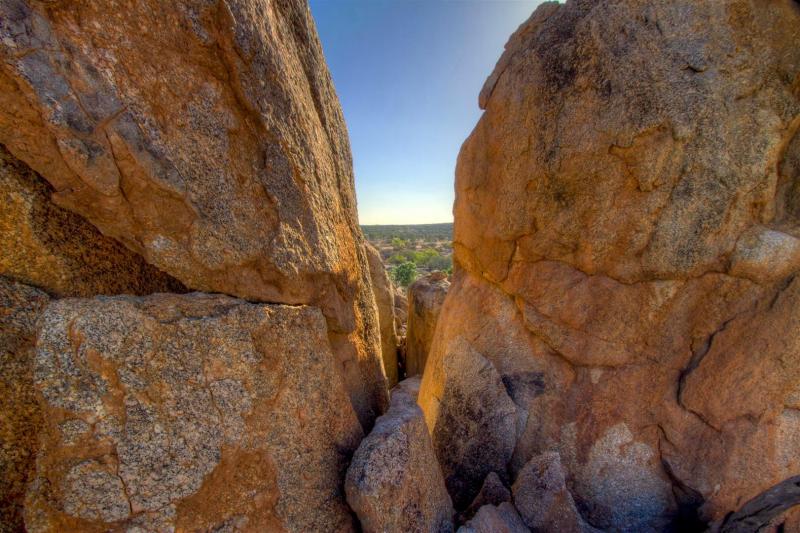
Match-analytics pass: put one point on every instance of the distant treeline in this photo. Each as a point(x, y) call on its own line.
point(410, 232)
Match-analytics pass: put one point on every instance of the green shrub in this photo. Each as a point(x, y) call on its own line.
point(405, 274)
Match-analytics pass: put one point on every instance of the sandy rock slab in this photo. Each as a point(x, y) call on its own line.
point(58, 251)
point(192, 412)
point(425, 299)
point(20, 415)
point(394, 482)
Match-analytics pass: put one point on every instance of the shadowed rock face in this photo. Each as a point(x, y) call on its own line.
point(626, 236)
point(20, 415)
point(384, 299)
point(206, 137)
point(192, 412)
point(58, 251)
point(425, 299)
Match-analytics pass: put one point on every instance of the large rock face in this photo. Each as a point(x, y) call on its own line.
point(206, 137)
point(384, 299)
point(425, 299)
point(58, 251)
point(20, 416)
point(192, 412)
point(394, 482)
point(626, 236)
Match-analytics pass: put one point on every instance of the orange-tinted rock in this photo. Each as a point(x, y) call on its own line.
point(425, 299)
point(207, 138)
point(384, 299)
point(194, 413)
point(58, 251)
point(625, 238)
point(20, 416)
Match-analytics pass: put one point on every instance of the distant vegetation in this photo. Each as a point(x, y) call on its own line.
point(410, 250)
point(411, 232)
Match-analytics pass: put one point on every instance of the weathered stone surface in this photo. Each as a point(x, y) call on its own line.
point(20, 416)
point(425, 299)
point(384, 299)
point(206, 137)
point(625, 245)
point(58, 251)
point(542, 498)
point(194, 412)
point(495, 519)
point(394, 482)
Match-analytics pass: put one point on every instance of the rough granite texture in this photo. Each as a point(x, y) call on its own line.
point(394, 482)
point(193, 412)
point(626, 237)
point(206, 137)
point(425, 299)
point(20, 416)
point(384, 300)
point(58, 251)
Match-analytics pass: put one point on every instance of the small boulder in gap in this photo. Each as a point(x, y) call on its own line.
point(542, 498)
point(502, 518)
point(394, 482)
point(493, 492)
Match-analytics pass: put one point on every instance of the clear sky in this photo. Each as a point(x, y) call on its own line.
point(408, 74)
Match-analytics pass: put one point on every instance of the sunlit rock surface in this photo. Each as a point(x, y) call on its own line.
point(625, 243)
point(207, 138)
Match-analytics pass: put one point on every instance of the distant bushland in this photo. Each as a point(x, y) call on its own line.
point(409, 232)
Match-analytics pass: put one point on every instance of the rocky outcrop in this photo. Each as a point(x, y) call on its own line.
point(384, 299)
point(58, 251)
point(394, 482)
point(207, 138)
point(193, 412)
point(626, 227)
point(425, 299)
point(20, 416)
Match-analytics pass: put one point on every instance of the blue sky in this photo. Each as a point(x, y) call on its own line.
point(408, 73)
